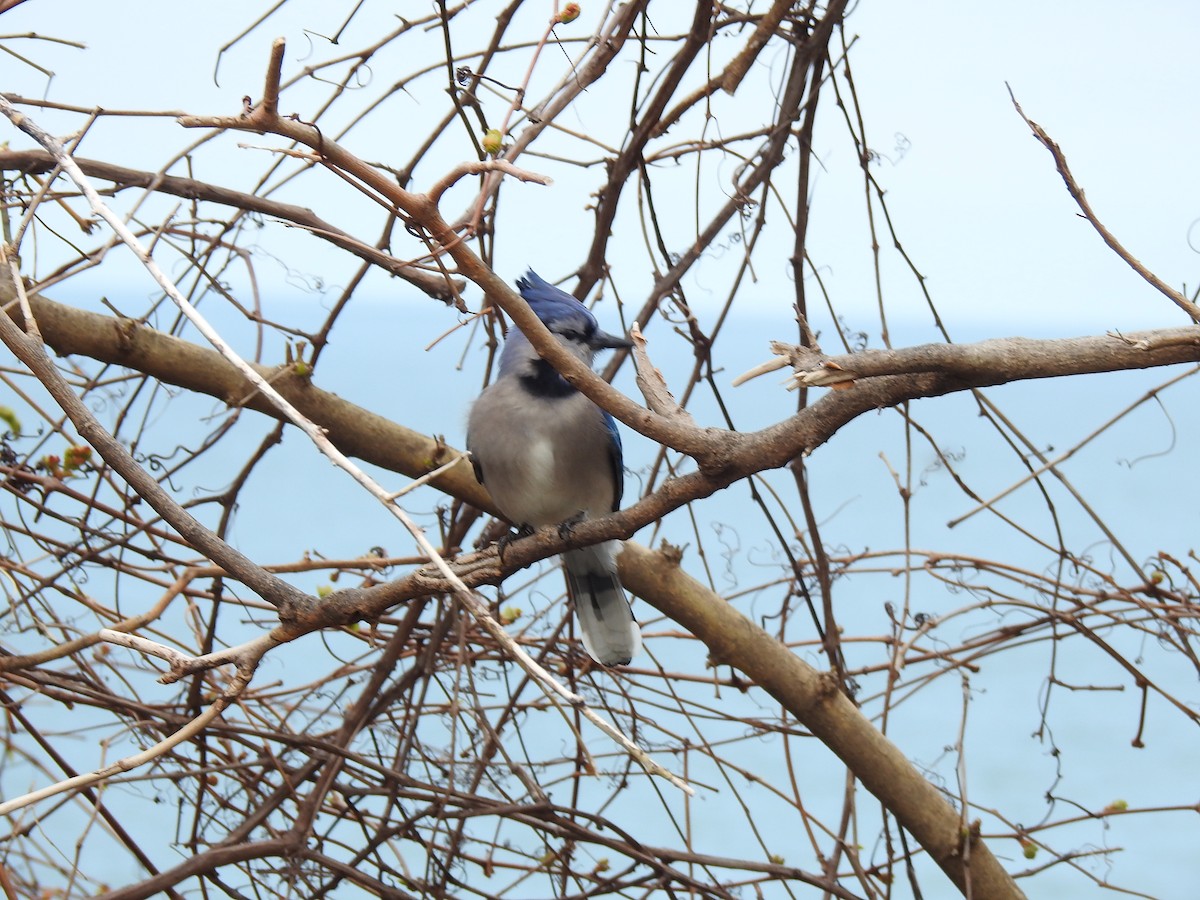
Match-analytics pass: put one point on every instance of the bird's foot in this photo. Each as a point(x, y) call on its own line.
point(567, 526)
point(509, 536)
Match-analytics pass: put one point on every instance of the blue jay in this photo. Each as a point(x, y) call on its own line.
point(550, 456)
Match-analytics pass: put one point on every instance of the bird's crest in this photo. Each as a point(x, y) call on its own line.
point(552, 304)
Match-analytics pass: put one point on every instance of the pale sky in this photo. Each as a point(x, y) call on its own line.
point(976, 200)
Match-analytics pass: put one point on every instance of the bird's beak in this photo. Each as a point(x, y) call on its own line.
point(603, 341)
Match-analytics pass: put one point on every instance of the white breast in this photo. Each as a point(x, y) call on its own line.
point(544, 461)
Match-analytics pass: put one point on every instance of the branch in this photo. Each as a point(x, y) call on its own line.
point(40, 161)
point(133, 623)
point(232, 691)
point(815, 700)
point(651, 383)
point(299, 602)
point(273, 590)
point(203, 863)
point(603, 49)
point(244, 656)
point(477, 167)
point(620, 168)
point(1076, 192)
point(420, 211)
point(730, 78)
point(993, 361)
point(926, 371)
point(171, 360)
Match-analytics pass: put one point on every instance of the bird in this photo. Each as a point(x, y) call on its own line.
point(550, 456)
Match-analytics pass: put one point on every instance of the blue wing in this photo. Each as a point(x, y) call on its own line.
point(616, 457)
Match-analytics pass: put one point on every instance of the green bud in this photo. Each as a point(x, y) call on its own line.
point(493, 142)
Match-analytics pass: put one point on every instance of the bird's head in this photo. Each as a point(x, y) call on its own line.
point(566, 318)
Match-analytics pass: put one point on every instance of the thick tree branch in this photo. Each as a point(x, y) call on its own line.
point(817, 702)
point(926, 371)
point(993, 361)
point(271, 588)
point(354, 430)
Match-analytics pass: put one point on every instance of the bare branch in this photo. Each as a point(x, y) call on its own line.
point(1076, 192)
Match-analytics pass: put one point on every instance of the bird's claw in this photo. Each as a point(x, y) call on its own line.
point(508, 537)
point(566, 527)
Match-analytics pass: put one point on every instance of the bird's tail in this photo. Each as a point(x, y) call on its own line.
point(610, 634)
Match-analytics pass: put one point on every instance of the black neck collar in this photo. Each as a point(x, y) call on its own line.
point(544, 381)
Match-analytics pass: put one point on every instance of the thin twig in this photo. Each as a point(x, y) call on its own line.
point(1076, 192)
point(232, 691)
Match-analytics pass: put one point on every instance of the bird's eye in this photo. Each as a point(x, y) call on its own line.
point(571, 335)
